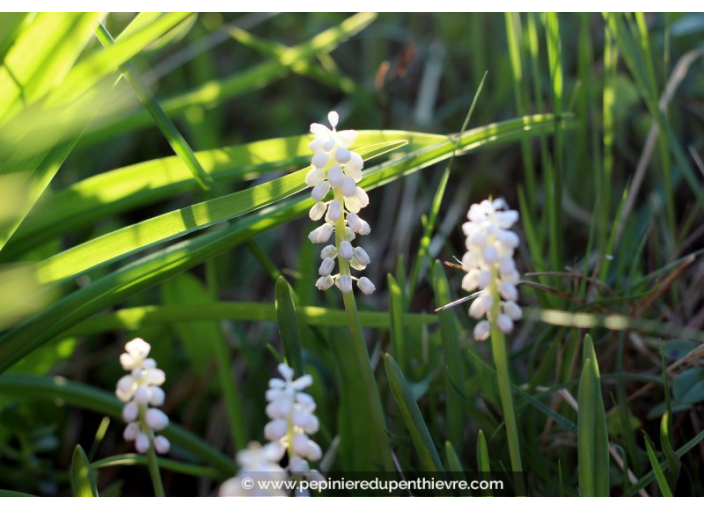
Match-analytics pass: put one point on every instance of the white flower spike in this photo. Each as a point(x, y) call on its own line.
point(292, 420)
point(257, 464)
point(291, 412)
point(336, 167)
point(490, 267)
point(139, 390)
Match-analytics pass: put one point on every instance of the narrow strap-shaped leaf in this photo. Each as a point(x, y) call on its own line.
point(155, 268)
point(483, 463)
point(141, 184)
point(592, 435)
point(287, 320)
point(398, 338)
point(453, 359)
point(81, 475)
point(120, 243)
point(142, 316)
point(657, 470)
point(454, 465)
point(425, 448)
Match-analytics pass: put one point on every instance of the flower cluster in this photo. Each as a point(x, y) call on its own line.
point(336, 167)
point(290, 410)
point(256, 463)
point(292, 419)
point(139, 390)
point(490, 267)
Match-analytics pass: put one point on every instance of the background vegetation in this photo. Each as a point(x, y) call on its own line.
point(592, 126)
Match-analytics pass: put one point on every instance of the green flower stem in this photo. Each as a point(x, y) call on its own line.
point(364, 444)
point(152, 461)
point(498, 347)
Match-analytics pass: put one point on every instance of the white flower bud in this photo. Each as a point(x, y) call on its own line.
point(347, 137)
point(490, 254)
point(141, 444)
point(157, 396)
point(314, 453)
point(300, 444)
point(354, 222)
point(156, 376)
point(348, 234)
point(130, 412)
point(513, 310)
point(320, 190)
point(320, 159)
point(127, 361)
point(329, 252)
point(342, 155)
point(326, 267)
point(333, 119)
point(348, 187)
point(321, 234)
point(508, 291)
point(476, 309)
point(335, 176)
point(483, 279)
point(505, 323)
point(362, 196)
point(156, 419)
point(352, 204)
point(131, 431)
point(344, 283)
point(315, 176)
point(328, 144)
point(276, 429)
point(482, 330)
point(366, 229)
point(471, 280)
point(346, 250)
point(365, 285)
point(138, 348)
point(356, 163)
point(335, 210)
point(142, 395)
point(297, 465)
point(125, 388)
point(316, 146)
point(324, 282)
point(353, 172)
point(316, 212)
point(161, 445)
point(361, 256)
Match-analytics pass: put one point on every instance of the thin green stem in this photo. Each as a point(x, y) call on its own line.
point(498, 346)
point(152, 460)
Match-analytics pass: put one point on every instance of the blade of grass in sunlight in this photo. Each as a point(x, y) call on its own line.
point(657, 471)
point(81, 475)
point(156, 267)
point(213, 93)
point(135, 186)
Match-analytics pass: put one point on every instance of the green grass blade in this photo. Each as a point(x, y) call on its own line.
point(157, 267)
point(657, 470)
point(102, 402)
point(483, 464)
point(427, 454)
point(454, 465)
point(592, 436)
point(287, 320)
point(131, 239)
point(215, 92)
point(81, 475)
point(133, 459)
point(396, 307)
point(142, 316)
point(453, 359)
point(204, 341)
point(166, 126)
point(138, 185)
